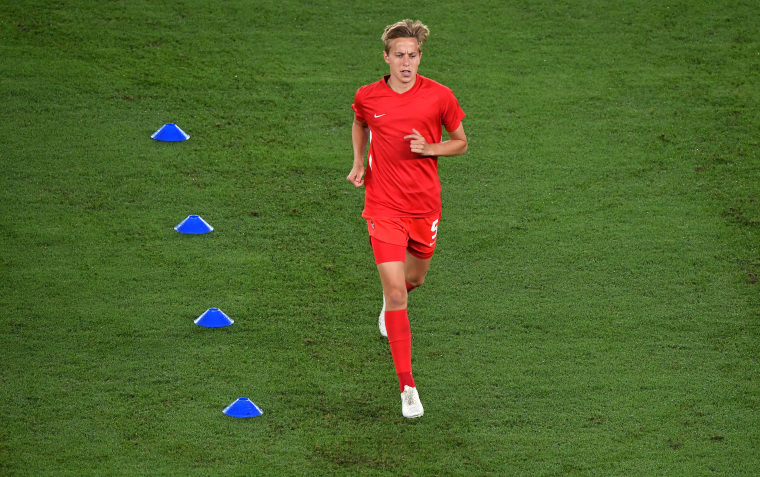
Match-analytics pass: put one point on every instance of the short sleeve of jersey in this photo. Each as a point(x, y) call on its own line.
point(357, 106)
point(452, 114)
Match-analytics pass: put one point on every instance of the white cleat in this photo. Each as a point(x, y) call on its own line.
point(411, 406)
point(381, 320)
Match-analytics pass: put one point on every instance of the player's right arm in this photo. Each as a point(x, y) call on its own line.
point(359, 138)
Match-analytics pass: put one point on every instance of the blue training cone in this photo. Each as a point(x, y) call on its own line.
point(170, 132)
point(243, 407)
point(213, 318)
point(193, 224)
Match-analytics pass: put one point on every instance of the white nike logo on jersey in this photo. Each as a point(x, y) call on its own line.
point(380, 115)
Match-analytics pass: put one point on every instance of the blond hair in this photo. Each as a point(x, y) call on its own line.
point(405, 29)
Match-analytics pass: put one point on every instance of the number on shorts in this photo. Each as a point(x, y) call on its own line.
point(434, 229)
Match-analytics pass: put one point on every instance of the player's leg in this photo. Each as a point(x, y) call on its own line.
point(386, 252)
point(390, 257)
point(390, 265)
point(394, 285)
point(420, 248)
point(400, 334)
point(397, 320)
point(414, 275)
point(388, 239)
point(415, 270)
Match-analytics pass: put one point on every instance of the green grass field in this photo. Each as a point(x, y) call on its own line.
point(593, 307)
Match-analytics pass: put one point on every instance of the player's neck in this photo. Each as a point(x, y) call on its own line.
point(400, 87)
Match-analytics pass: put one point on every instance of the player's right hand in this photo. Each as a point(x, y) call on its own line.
point(356, 176)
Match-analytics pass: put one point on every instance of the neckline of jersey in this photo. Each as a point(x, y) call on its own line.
point(413, 88)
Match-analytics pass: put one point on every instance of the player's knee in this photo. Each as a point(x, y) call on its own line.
point(414, 282)
point(395, 299)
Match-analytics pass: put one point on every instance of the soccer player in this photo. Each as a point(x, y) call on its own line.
point(402, 116)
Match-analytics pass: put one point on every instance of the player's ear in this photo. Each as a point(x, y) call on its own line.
point(385, 56)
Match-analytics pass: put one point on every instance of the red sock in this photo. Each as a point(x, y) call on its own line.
point(400, 339)
point(409, 287)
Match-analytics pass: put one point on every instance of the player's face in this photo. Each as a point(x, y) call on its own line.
point(404, 59)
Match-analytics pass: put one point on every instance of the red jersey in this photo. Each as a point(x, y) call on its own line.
point(399, 182)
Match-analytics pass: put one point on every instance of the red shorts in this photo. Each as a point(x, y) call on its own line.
point(399, 235)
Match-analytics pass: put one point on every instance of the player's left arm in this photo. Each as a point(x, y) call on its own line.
point(456, 145)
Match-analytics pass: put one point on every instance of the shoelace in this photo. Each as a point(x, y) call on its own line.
point(409, 397)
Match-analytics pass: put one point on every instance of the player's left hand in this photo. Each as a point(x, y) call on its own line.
point(418, 143)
